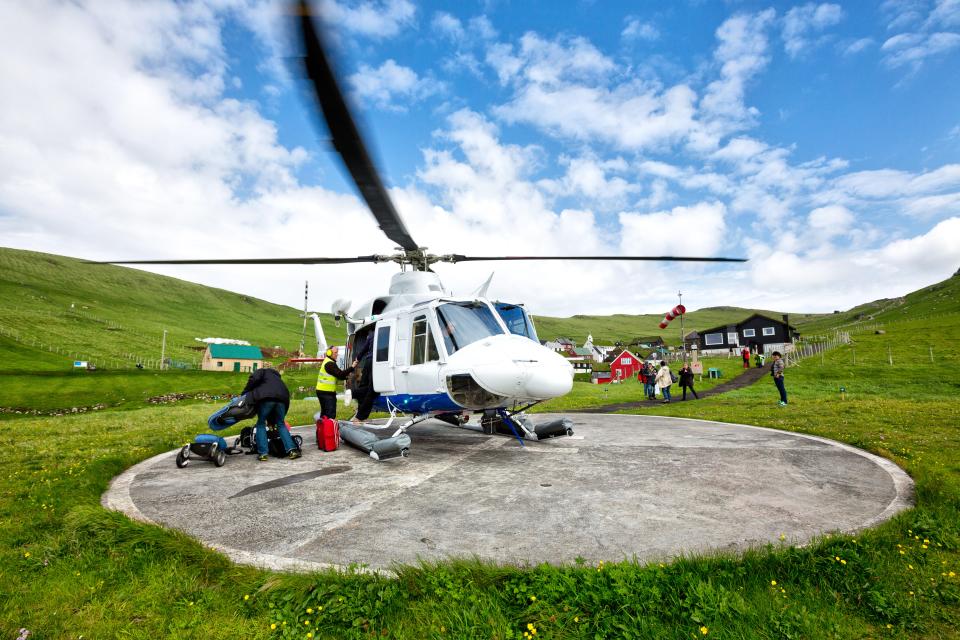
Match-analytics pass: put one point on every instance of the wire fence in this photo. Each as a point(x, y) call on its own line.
point(121, 360)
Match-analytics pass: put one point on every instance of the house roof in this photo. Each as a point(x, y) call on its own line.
point(235, 352)
point(583, 351)
point(627, 353)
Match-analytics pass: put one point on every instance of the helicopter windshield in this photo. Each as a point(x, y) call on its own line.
point(463, 323)
point(517, 320)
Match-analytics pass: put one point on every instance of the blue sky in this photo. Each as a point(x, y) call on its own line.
point(820, 140)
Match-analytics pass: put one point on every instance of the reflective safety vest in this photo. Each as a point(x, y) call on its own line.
point(325, 381)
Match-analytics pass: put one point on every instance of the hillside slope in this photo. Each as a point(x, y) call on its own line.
point(56, 309)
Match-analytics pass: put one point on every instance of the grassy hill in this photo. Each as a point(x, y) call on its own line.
point(609, 329)
point(57, 309)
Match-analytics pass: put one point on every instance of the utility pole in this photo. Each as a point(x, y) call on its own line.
point(163, 348)
point(683, 345)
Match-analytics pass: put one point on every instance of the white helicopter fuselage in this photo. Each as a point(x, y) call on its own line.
point(435, 353)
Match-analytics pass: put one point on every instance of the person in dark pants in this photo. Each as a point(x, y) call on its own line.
point(327, 382)
point(364, 388)
point(272, 398)
point(776, 370)
point(686, 381)
point(650, 381)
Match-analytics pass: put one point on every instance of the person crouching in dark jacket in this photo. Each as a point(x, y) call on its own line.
point(270, 394)
point(686, 381)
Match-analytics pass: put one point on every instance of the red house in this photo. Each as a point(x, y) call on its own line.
point(624, 366)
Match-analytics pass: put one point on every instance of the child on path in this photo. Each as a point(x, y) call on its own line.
point(776, 370)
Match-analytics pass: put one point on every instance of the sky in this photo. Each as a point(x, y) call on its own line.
point(819, 140)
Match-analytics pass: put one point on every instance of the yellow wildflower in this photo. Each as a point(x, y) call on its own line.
point(246, 597)
point(309, 611)
point(273, 625)
point(773, 582)
point(704, 630)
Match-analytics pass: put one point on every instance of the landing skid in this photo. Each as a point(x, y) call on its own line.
point(521, 427)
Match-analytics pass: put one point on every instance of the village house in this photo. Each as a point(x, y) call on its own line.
point(758, 332)
point(625, 365)
point(232, 357)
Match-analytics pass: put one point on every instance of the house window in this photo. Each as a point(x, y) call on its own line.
point(732, 338)
point(626, 361)
point(749, 333)
point(220, 363)
point(713, 338)
point(769, 331)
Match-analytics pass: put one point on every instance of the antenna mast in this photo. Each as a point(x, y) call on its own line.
point(303, 333)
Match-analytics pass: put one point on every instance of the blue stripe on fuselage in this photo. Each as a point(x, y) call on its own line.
point(417, 403)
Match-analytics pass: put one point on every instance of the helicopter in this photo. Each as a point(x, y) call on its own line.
point(434, 355)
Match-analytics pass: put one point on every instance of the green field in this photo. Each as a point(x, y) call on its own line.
point(69, 568)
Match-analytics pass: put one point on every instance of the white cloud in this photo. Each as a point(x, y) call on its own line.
point(891, 183)
point(801, 23)
point(375, 19)
point(390, 81)
point(447, 25)
point(913, 49)
point(857, 46)
point(831, 221)
point(742, 54)
point(636, 29)
point(696, 230)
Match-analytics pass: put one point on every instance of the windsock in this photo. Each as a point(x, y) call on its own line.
point(678, 310)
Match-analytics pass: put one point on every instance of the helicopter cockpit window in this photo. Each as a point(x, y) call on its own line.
point(423, 347)
point(463, 323)
point(517, 320)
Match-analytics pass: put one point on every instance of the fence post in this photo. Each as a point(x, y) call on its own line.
point(931, 353)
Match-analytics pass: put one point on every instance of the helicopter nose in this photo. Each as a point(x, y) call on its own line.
point(515, 367)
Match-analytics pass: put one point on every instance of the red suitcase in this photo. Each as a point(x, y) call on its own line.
point(328, 434)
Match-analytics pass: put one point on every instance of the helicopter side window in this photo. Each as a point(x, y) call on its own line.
point(517, 320)
point(463, 323)
point(383, 343)
point(423, 348)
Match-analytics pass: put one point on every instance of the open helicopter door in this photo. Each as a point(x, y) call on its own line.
point(383, 355)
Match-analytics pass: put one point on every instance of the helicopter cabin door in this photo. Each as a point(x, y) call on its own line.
point(383, 355)
point(421, 376)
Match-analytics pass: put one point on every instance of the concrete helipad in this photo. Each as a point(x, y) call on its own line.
point(623, 487)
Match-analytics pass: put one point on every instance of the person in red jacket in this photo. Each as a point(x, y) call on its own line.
point(746, 357)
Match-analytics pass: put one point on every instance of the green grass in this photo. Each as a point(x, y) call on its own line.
point(70, 568)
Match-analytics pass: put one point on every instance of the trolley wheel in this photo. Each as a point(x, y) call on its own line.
point(183, 458)
point(219, 458)
point(569, 432)
point(404, 453)
point(298, 440)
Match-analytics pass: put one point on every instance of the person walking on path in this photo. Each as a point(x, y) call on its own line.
point(745, 354)
point(776, 370)
point(686, 381)
point(649, 381)
point(327, 382)
point(664, 380)
point(272, 398)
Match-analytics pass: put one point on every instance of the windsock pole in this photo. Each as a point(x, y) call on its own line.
point(683, 345)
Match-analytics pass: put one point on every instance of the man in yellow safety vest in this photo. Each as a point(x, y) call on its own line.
point(327, 382)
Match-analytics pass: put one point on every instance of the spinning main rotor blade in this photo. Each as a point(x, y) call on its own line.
point(462, 258)
point(254, 261)
point(344, 132)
